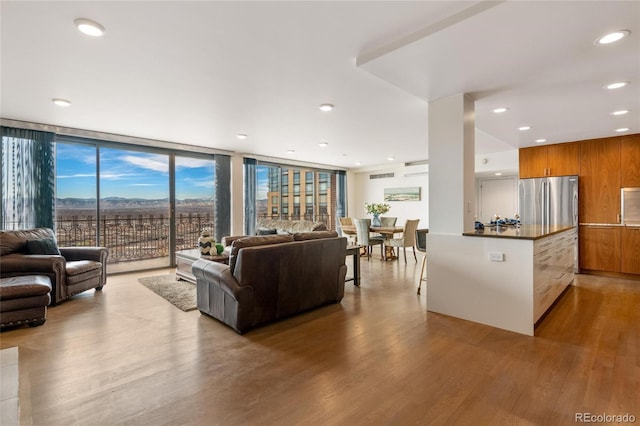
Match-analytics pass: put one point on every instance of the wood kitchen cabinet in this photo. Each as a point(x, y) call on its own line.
point(630, 157)
point(600, 248)
point(631, 250)
point(549, 160)
point(533, 162)
point(599, 183)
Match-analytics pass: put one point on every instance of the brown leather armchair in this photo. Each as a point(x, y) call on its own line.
point(74, 270)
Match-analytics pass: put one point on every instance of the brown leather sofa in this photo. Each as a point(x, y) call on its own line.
point(271, 277)
point(74, 270)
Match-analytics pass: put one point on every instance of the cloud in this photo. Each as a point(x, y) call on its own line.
point(77, 175)
point(115, 176)
point(193, 163)
point(203, 182)
point(158, 163)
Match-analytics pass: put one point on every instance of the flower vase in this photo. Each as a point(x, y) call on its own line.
point(207, 246)
point(376, 220)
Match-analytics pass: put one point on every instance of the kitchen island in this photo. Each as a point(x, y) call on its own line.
point(507, 277)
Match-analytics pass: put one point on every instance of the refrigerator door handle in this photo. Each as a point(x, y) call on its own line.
point(545, 203)
point(548, 207)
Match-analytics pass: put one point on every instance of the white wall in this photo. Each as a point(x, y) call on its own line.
point(362, 190)
point(505, 162)
point(497, 195)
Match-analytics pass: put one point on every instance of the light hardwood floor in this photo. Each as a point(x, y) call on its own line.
point(126, 356)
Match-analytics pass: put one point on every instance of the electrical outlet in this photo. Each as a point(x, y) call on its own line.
point(496, 256)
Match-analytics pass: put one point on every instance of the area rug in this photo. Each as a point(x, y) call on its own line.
point(181, 294)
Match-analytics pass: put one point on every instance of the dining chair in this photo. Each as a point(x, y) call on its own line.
point(364, 239)
point(347, 221)
point(421, 245)
point(408, 238)
point(388, 221)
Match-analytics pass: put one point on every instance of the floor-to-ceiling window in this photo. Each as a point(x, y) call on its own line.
point(194, 199)
point(134, 207)
point(76, 195)
point(286, 192)
point(141, 203)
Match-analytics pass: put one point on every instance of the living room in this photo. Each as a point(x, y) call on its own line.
point(242, 81)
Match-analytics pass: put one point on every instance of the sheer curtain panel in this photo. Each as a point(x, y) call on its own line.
point(249, 196)
point(223, 196)
point(28, 179)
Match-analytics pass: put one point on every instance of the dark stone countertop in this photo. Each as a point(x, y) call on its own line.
point(525, 232)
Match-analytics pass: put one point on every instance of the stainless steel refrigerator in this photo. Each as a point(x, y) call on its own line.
point(550, 201)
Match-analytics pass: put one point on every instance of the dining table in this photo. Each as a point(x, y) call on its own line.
point(386, 231)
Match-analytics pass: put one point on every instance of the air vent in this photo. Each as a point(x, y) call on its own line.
point(382, 176)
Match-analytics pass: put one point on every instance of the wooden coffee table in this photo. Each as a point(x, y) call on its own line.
point(185, 258)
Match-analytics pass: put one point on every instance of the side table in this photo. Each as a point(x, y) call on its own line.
point(354, 251)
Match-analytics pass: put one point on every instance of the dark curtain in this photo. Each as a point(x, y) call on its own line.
point(223, 196)
point(28, 179)
point(341, 196)
point(250, 182)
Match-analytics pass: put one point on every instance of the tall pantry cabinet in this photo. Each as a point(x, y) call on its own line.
point(599, 211)
point(630, 176)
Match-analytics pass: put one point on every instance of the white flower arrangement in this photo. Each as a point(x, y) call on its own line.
point(376, 208)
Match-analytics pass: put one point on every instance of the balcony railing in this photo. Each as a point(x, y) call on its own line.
point(144, 236)
point(327, 219)
point(132, 237)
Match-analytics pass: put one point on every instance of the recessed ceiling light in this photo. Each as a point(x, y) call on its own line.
point(61, 102)
point(612, 37)
point(620, 112)
point(89, 27)
point(540, 140)
point(616, 85)
point(326, 107)
point(498, 174)
point(358, 163)
point(241, 136)
point(391, 158)
point(524, 128)
point(291, 151)
point(499, 110)
point(622, 129)
point(323, 144)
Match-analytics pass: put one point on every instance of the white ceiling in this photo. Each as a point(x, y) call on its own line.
point(201, 72)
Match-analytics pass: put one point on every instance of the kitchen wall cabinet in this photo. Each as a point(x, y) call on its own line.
point(600, 248)
point(533, 162)
point(549, 160)
point(631, 250)
point(599, 184)
point(630, 157)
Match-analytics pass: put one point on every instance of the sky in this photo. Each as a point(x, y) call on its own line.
point(263, 184)
point(129, 174)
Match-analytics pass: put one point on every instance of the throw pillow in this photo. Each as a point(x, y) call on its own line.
point(43, 246)
point(314, 235)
